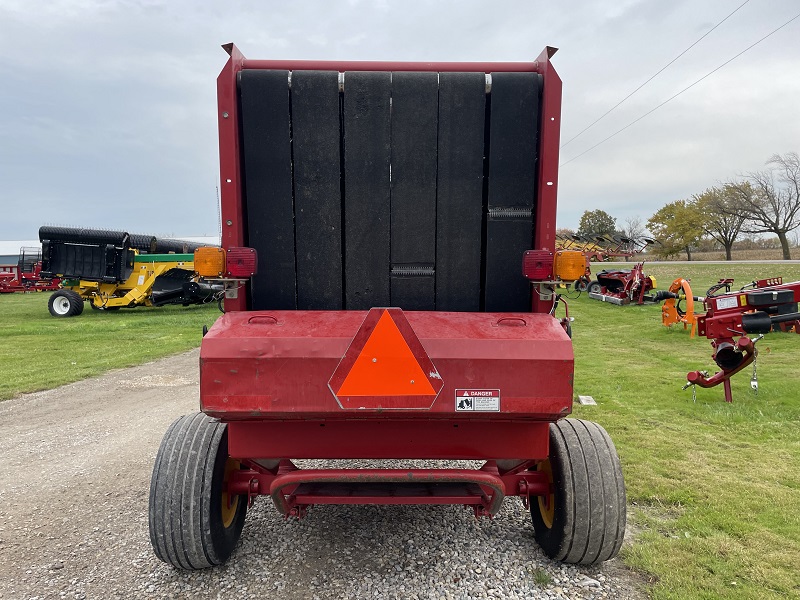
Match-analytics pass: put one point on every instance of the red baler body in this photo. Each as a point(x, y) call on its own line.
point(275, 376)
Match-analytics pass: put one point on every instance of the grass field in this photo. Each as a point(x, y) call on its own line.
point(39, 352)
point(714, 488)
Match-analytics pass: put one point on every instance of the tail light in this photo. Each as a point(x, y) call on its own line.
point(210, 262)
point(241, 263)
point(537, 265)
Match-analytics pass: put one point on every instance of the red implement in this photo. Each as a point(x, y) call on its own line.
point(359, 186)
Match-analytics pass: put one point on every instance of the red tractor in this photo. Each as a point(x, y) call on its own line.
point(413, 186)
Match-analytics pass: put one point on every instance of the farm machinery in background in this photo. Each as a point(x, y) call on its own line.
point(674, 312)
point(600, 248)
point(26, 275)
point(110, 270)
point(731, 317)
point(623, 286)
point(469, 363)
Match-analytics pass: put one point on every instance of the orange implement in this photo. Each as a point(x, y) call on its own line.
point(671, 311)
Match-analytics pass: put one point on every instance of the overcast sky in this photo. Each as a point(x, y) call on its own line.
point(107, 108)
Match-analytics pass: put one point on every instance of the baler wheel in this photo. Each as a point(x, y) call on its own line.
point(595, 287)
point(193, 525)
point(65, 303)
point(581, 285)
point(583, 520)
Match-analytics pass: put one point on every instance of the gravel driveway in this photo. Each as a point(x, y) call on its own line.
point(73, 518)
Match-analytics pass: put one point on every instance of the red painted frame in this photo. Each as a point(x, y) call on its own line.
point(284, 484)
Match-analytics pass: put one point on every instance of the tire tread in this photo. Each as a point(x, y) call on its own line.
point(181, 505)
point(590, 495)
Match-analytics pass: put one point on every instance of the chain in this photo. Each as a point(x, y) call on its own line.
point(754, 378)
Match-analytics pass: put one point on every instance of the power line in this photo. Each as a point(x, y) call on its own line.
point(688, 87)
point(657, 73)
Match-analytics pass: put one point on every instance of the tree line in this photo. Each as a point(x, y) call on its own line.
point(759, 202)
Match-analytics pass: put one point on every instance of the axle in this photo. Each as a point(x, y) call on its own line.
point(294, 490)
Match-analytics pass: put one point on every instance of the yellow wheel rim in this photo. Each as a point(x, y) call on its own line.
point(547, 504)
point(229, 506)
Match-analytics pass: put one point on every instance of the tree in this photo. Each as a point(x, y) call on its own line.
point(769, 200)
point(719, 216)
point(677, 227)
point(634, 228)
point(597, 221)
point(564, 232)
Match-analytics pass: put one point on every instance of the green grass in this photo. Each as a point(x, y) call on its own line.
point(38, 351)
point(714, 488)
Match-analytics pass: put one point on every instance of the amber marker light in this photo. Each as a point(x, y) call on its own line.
point(210, 261)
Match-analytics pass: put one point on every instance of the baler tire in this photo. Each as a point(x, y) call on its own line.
point(587, 522)
point(594, 287)
point(189, 528)
point(65, 303)
point(581, 285)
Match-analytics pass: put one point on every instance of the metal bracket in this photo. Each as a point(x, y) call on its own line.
point(545, 291)
point(523, 493)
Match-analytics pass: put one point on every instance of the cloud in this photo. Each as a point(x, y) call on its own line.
point(108, 109)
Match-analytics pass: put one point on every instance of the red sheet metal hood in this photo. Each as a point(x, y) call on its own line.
point(486, 366)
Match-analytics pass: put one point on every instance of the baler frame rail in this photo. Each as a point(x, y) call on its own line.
point(293, 490)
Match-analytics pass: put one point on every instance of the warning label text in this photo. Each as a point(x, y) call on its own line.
point(478, 400)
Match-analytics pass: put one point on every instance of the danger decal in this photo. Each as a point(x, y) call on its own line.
point(478, 400)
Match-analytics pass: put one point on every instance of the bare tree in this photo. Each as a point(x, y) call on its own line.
point(633, 230)
point(769, 200)
point(720, 219)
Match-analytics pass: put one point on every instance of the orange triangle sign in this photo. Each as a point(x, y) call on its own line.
point(386, 366)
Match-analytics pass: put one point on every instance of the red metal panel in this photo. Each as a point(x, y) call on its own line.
point(230, 171)
point(544, 234)
point(366, 65)
point(453, 439)
point(278, 364)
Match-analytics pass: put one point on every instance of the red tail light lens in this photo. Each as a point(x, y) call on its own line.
point(241, 263)
point(537, 265)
